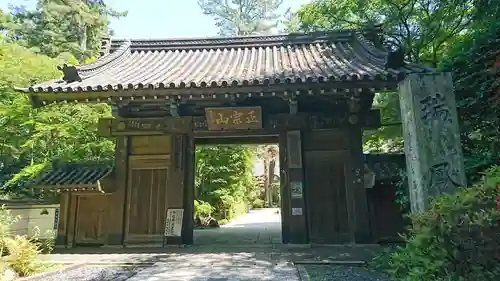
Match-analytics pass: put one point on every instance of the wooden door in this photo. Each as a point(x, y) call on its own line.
point(326, 196)
point(89, 227)
point(146, 199)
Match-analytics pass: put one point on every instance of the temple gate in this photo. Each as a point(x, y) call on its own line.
point(312, 93)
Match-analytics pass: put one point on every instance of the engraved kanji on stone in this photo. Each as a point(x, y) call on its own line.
point(441, 177)
point(434, 107)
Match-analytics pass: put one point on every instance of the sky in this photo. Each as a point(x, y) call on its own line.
point(159, 18)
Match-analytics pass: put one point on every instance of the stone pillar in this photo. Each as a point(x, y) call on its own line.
point(434, 159)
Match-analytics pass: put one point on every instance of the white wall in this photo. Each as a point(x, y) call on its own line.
point(32, 217)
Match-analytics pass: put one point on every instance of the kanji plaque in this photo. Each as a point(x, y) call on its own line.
point(234, 118)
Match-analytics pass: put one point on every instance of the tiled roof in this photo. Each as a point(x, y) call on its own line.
point(386, 166)
point(223, 62)
point(75, 176)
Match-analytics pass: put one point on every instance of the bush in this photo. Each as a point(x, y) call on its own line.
point(457, 239)
point(22, 251)
point(6, 222)
point(202, 209)
point(223, 222)
point(46, 242)
point(258, 204)
point(23, 255)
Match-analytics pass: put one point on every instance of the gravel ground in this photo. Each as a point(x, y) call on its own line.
point(95, 273)
point(341, 273)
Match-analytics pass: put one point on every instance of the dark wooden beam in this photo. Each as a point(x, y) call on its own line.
point(236, 140)
point(272, 124)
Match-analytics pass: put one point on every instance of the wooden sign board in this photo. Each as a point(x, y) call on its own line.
point(233, 118)
point(173, 222)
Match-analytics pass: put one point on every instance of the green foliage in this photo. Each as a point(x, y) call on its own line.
point(224, 178)
point(388, 138)
point(238, 17)
point(23, 251)
point(6, 223)
point(58, 26)
point(458, 238)
point(26, 175)
point(23, 255)
point(458, 36)
point(474, 63)
point(31, 137)
point(223, 221)
point(202, 209)
point(424, 29)
point(45, 243)
point(403, 192)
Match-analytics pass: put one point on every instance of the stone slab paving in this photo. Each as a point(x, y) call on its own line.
point(219, 267)
point(215, 263)
point(247, 249)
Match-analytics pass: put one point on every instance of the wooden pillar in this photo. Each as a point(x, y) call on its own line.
point(116, 217)
point(433, 150)
point(189, 175)
point(71, 221)
point(294, 225)
point(357, 204)
point(176, 186)
point(62, 227)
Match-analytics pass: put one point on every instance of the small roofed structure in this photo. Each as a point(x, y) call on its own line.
point(78, 177)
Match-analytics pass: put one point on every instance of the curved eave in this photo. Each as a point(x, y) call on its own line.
point(156, 94)
point(214, 67)
point(78, 178)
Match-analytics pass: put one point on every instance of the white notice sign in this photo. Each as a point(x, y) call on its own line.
point(296, 211)
point(173, 222)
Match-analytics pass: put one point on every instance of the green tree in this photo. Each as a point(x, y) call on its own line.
point(31, 137)
point(224, 179)
point(476, 68)
point(243, 17)
point(58, 26)
point(423, 29)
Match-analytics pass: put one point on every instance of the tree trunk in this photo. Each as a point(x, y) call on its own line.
point(272, 165)
point(266, 182)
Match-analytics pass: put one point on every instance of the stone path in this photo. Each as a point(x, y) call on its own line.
point(211, 263)
point(247, 249)
point(258, 227)
point(219, 267)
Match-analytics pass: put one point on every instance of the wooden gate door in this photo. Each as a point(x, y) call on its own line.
point(146, 199)
point(89, 227)
point(326, 196)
